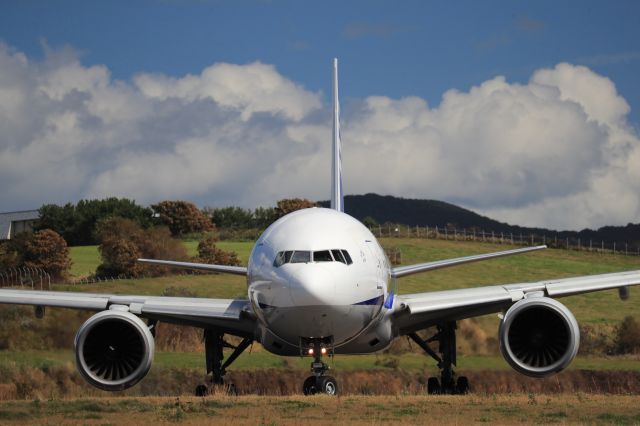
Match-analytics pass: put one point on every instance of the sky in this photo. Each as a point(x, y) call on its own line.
point(527, 112)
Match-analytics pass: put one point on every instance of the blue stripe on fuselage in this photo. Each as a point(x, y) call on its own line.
point(373, 301)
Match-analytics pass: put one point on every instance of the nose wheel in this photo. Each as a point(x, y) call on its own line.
point(319, 383)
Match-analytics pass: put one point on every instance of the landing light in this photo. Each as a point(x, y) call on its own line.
point(323, 351)
point(310, 351)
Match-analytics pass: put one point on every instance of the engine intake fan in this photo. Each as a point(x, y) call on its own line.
point(539, 336)
point(114, 350)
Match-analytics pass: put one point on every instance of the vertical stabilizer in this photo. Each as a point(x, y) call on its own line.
point(337, 202)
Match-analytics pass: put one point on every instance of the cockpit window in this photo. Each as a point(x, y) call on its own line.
point(347, 257)
point(337, 255)
point(282, 258)
point(301, 257)
point(322, 256)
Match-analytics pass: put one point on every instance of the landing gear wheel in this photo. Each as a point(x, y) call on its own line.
point(328, 385)
point(202, 390)
point(309, 386)
point(462, 387)
point(433, 386)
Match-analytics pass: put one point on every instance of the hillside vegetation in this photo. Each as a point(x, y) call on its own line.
point(414, 212)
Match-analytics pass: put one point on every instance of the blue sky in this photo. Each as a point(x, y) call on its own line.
point(389, 48)
point(524, 111)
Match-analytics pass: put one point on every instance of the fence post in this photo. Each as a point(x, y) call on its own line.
point(626, 253)
point(579, 244)
point(567, 243)
point(614, 247)
point(590, 245)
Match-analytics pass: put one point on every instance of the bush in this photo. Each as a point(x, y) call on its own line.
point(182, 217)
point(44, 249)
point(627, 339)
point(289, 205)
point(209, 253)
point(124, 241)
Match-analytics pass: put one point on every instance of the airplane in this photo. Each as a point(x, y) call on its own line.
point(318, 285)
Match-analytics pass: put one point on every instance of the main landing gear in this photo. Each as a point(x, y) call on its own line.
point(214, 343)
point(319, 383)
point(447, 384)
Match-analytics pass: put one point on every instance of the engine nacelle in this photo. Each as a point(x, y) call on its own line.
point(114, 350)
point(539, 336)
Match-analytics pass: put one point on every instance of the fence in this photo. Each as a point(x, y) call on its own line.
point(474, 234)
point(33, 278)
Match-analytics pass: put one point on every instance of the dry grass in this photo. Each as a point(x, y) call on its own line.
point(353, 410)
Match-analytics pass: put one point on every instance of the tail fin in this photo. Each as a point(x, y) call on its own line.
point(337, 202)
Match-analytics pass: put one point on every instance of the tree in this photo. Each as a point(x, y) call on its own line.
point(123, 242)
point(209, 253)
point(78, 223)
point(45, 249)
point(232, 217)
point(182, 217)
point(370, 222)
point(289, 205)
point(264, 216)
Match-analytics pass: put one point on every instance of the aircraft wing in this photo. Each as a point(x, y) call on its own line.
point(438, 264)
point(234, 316)
point(235, 270)
point(420, 310)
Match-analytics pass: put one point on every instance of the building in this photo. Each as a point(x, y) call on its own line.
point(13, 223)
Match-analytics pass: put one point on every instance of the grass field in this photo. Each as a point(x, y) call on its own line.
point(351, 410)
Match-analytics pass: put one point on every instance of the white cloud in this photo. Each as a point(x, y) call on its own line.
point(556, 152)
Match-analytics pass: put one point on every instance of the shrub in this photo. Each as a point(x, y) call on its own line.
point(182, 217)
point(289, 205)
point(124, 241)
point(209, 253)
point(627, 336)
point(44, 249)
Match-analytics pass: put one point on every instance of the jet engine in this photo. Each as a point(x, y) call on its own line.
point(114, 350)
point(539, 336)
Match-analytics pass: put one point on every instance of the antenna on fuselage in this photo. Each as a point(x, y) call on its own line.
point(337, 201)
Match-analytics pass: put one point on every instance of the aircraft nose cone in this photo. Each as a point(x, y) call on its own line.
point(312, 286)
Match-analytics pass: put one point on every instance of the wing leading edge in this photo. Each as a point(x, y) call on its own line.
point(438, 264)
point(420, 310)
point(235, 316)
point(234, 270)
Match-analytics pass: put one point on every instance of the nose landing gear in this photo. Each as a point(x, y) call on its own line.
point(319, 382)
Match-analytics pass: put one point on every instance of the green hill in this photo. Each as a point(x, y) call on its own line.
point(414, 212)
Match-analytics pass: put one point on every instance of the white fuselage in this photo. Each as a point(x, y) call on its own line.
point(320, 274)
